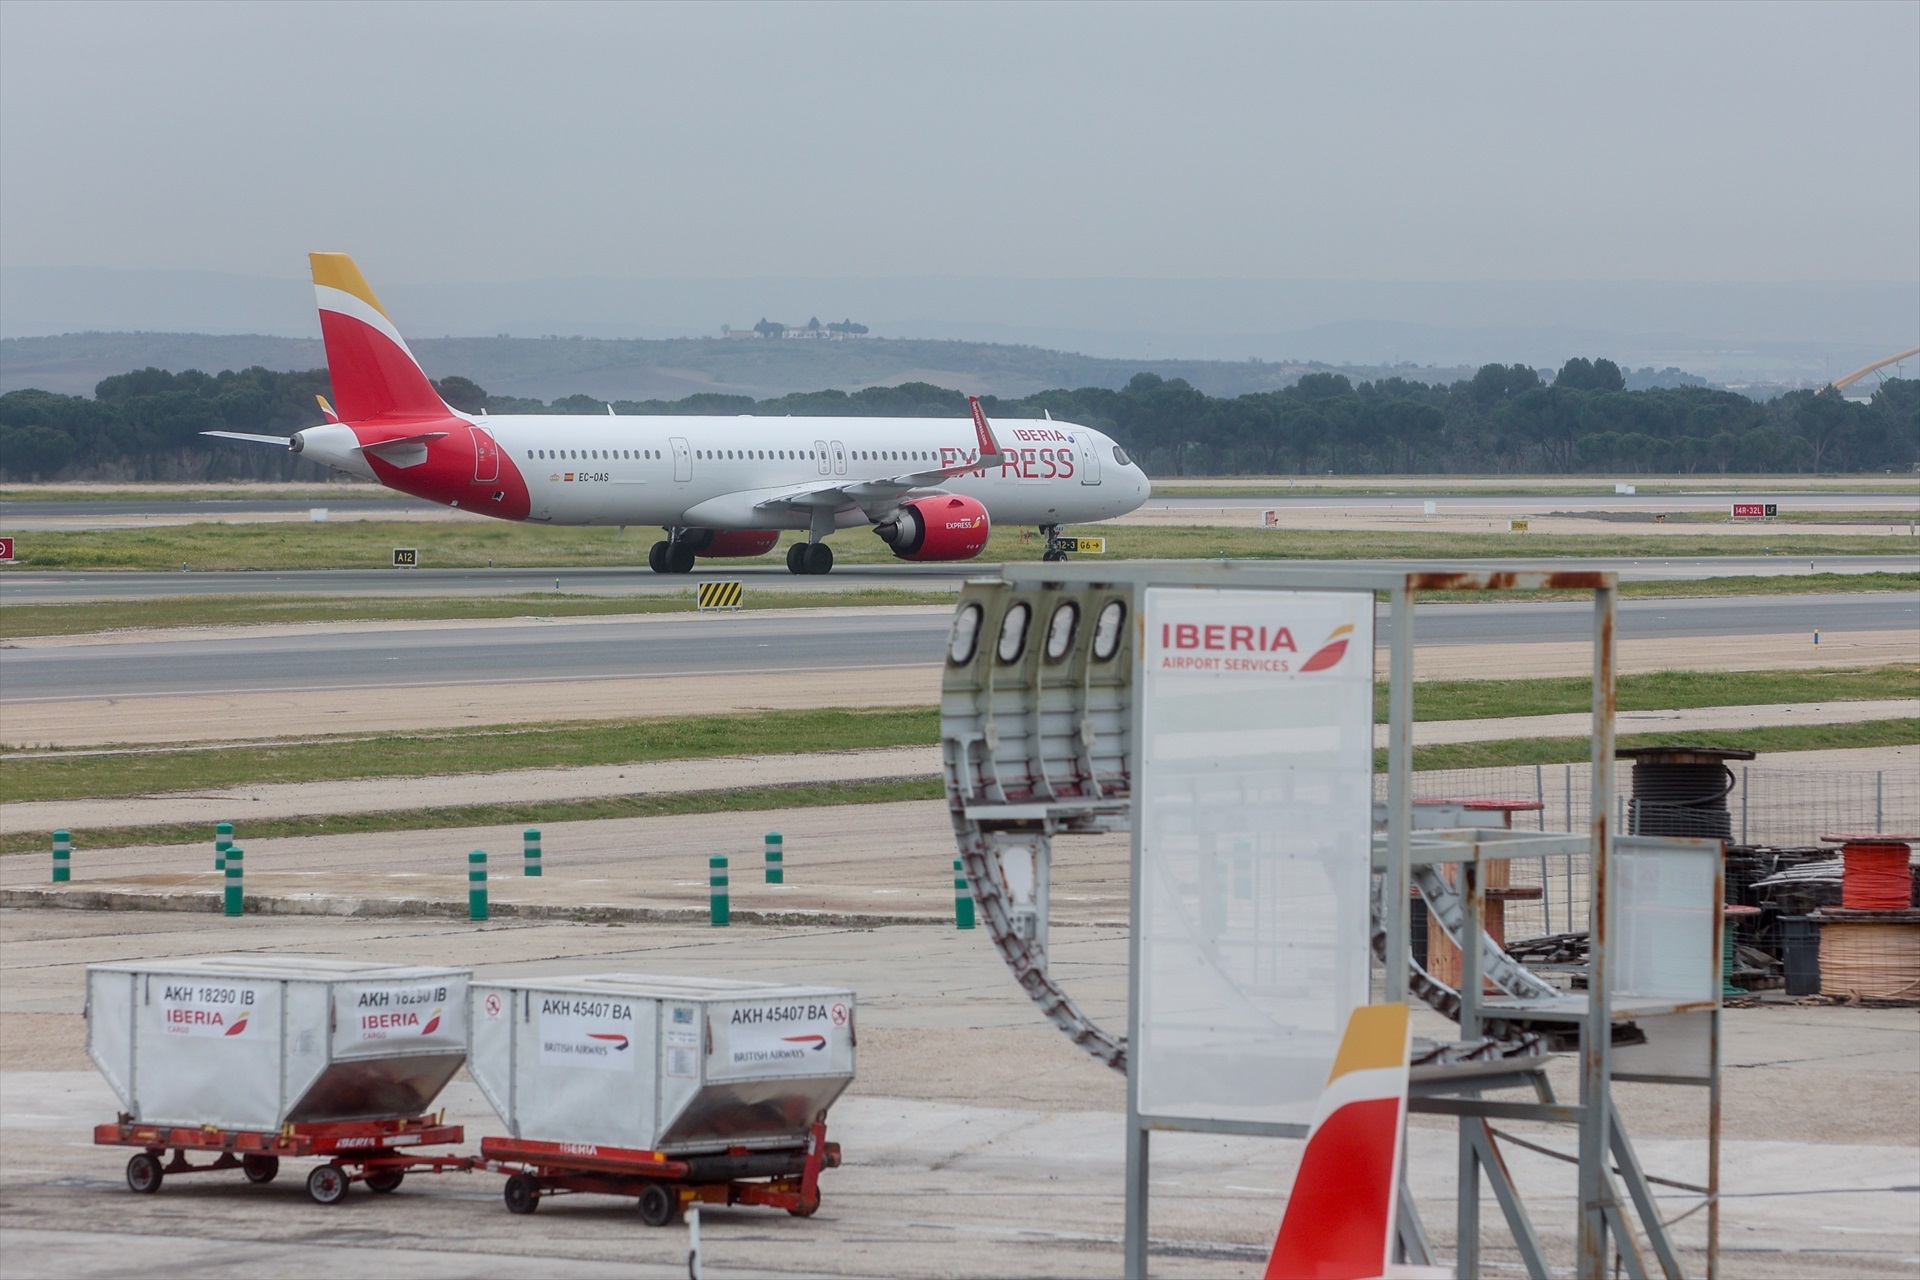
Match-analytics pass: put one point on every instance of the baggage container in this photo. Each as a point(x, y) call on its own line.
point(258, 1042)
point(672, 1065)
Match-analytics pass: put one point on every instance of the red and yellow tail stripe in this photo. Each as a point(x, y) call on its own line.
point(374, 372)
point(1339, 1222)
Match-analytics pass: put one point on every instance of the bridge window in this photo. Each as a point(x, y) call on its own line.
point(1107, 630)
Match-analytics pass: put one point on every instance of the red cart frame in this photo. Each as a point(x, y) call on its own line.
point(664, 1185)
point(360, 1150)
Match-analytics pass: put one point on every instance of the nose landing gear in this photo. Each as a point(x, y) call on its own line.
point(1055, 553)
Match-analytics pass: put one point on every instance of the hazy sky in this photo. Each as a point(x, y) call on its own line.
point(467, 143)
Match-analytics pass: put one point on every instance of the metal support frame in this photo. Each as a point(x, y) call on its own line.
point(1603, 1222)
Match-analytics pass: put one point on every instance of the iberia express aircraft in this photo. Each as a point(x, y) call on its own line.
point(930, 487)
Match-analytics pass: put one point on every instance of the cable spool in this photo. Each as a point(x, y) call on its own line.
point(1870, 959)
point(1681, 791)
point(1877, 874)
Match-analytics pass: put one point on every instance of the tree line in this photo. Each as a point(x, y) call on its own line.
point(1506, 419)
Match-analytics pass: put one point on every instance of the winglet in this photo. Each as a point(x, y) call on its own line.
point(989, 447)
point(1340, 1217)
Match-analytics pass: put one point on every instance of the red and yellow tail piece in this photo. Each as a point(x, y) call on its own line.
point(1339, 1223)
point(374, 374)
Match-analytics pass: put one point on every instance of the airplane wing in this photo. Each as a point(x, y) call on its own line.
point(876, 495)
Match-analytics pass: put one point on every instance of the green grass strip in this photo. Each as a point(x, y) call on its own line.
point(592, 742)
point(510, 817)
point(479, 750)
point(1651, 691)
point(1523, 751)
point(23, 621)
point(476, 543)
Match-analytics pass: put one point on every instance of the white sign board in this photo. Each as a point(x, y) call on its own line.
point(1254, 808)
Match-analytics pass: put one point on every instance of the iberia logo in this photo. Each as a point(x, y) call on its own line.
point(239, 1024)
point(1331, 652)
point(618, 1041)
point(433, 1024)
point(815, 1043)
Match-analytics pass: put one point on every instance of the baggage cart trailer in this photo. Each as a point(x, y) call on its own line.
point(369, 1151)
point(670, 1090)
point(662, 1185)
point(257, 1057)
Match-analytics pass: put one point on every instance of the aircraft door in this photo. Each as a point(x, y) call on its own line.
point(1089, 460)
point(839, 458)
point(820, 452)
point(682, 459)
point(486, 456)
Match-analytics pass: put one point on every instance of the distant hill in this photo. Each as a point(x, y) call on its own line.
point(640, 369)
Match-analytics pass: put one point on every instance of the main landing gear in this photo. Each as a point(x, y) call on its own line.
point(809, 557)
point(674, 555)
point(1055, 552)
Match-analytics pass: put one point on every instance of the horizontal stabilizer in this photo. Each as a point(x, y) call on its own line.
point(285, 442)
point(402, 442)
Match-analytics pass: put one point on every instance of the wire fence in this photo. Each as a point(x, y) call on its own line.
point(1775, 807)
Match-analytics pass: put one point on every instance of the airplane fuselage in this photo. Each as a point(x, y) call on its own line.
point(717, 472)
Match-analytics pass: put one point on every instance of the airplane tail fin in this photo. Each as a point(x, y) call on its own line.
point(374, 374)
point(1340, 1218)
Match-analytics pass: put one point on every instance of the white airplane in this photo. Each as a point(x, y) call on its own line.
point(931, 488)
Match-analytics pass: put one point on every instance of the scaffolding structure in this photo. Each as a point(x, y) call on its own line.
point(1043, 738)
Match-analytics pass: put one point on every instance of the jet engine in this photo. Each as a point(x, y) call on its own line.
point(945, 527)
point(709, 543)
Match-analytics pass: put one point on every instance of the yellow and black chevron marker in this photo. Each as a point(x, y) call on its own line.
point(717, 595)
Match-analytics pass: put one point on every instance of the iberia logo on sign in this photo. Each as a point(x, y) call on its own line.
point(1221, 646)
point(1330, 653)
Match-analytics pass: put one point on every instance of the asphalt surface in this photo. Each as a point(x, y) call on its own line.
point(27, 586)
point(812, 647)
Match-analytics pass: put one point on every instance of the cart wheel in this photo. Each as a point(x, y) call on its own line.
point(260, 1169)
point(522, 1193)
point(327, 1184)
point(385, 1180)
point(658, 1205)
point(805, 1210)
point(143, 1174)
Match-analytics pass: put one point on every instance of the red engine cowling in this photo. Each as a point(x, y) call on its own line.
point(947, 527)
point(733, 542)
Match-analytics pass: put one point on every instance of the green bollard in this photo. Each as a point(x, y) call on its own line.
point(222, 841)
point(717, 906)
point(236, 901)
point(962, 897)
point(532, 837)
point(477, 885)
point(62, 857)
point(776, 859)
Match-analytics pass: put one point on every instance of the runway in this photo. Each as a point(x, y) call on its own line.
point(809, 647)
point(26, 586)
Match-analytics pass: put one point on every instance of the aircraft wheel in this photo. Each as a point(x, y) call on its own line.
point(657, 557)
point(679, 558)
point(796, 558)
point(819, 558)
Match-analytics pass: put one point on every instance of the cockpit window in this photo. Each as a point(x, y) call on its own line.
point(1120, 456)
